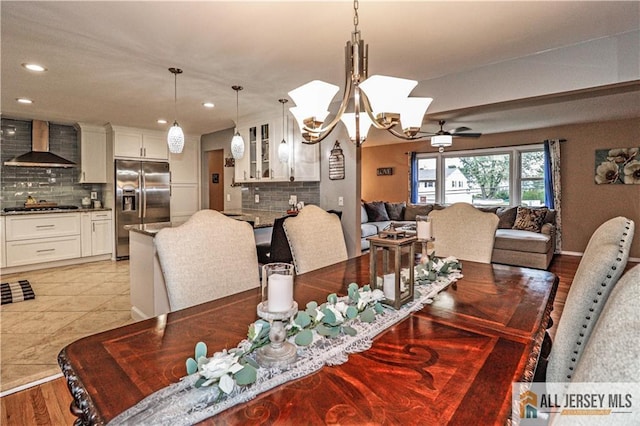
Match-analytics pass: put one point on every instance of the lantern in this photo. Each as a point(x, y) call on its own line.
point(391, 270)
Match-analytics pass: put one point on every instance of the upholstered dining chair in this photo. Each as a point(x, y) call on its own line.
point(316, 239)
point(465, 232)
point(208, 257)
point(601, 266)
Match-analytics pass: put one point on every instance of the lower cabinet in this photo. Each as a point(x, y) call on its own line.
point(96, 233)
point(42, 250)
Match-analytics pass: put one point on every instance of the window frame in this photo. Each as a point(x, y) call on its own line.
point(515, 163)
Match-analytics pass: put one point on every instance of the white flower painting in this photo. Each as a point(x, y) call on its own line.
point(617, 165)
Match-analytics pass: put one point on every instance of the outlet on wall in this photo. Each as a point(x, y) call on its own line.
point(94, 195)
point(228, 197)
point(257, 198)
point(341, 201)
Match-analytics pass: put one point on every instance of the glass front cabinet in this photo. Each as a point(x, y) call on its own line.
point(260, 162)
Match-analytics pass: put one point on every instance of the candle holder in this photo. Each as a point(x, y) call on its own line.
point(277, 306)
point(424, 235)
point(279, 353)
point(397, 256)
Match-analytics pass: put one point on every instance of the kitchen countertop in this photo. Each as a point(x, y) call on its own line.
point(151, 229)
point(78, 210)
point(260, 218)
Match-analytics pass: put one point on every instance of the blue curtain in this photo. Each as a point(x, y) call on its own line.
point(548, 177)
point(414, 178)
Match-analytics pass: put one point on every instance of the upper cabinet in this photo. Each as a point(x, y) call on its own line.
point(138, 143)
point(93, 153)
point(261, 163)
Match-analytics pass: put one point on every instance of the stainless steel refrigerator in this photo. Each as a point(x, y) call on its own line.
point(143, 195)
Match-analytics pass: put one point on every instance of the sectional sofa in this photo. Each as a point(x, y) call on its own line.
point(525, 236)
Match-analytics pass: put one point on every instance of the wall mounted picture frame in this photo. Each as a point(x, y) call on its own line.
point(617, 166)
point(384, 171)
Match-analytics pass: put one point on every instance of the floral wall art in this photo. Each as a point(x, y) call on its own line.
point(618, 165)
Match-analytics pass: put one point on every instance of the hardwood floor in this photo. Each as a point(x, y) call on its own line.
point(48, 403)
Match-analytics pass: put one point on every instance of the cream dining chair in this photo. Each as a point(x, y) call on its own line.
point(316, 239)
point(208, 257)
point(601, 266)
point(465, 232)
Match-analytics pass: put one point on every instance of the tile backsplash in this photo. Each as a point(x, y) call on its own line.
point(275, 196)
point(51, 184)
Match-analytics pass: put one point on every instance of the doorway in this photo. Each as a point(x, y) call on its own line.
point(215, 161)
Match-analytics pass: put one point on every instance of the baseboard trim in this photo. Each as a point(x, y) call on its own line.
point(30, 385)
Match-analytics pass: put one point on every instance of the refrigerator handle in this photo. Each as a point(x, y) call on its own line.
point(170, 183)
point(140, 194)
point(144, 191)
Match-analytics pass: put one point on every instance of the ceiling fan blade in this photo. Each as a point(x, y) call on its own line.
point(460, 129)
point(467, 135)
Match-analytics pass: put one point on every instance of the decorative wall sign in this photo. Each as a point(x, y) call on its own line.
point(230, 162)
point(385, 171)
point(618, 165)
point(336, 163)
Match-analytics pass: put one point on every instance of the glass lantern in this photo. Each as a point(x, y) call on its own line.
point(391, 267)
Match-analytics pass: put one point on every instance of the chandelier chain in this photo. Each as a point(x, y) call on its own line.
point(356, 20)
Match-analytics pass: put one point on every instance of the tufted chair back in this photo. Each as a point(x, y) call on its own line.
point(316, 239)
point(465, 232)
point(208, 257)
point(600, 268)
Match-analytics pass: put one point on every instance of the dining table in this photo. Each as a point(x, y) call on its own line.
point(451, 362)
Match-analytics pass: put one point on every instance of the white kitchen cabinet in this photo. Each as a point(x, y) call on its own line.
point(137, 143)
point(96, 233)
point(41, 238)
point(185, 180)
point(93, 153)
point(3, 250)
point(254, 166)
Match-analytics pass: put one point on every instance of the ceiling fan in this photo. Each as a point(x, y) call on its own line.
point(443, 138)
point(457, 132)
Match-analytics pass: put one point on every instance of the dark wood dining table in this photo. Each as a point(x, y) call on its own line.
point(452, 362)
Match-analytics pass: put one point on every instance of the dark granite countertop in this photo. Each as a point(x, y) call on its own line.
point(78, 210)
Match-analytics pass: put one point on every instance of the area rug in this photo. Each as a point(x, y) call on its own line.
point(16, 292)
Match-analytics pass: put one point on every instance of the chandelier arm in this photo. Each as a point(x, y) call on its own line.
point(405, 137)
point(374, 121)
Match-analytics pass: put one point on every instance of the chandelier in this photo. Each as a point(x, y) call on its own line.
point(379, 101)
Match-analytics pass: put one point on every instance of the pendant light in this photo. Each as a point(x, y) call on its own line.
point(283, 148)
point(175, 138)
point(237, 143)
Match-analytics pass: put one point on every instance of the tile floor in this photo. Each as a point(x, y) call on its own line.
point(71, 302)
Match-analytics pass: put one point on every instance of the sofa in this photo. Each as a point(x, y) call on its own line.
point(525, 235)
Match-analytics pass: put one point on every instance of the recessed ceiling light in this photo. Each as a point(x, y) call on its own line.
point(162, 121)
point(24, 100)
point(208, 104)
point(34, 67)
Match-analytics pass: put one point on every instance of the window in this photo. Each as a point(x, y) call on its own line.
point(483, 177)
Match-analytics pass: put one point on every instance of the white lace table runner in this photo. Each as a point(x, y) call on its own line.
point(183, 404)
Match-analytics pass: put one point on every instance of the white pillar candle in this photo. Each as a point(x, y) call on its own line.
point(280, 293)
point(423, 229)
point(389, 286)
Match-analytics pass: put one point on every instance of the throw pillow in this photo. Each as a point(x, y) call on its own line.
point(529, 219)
point(364, 218)
point(413, 210)
point(507, 217)
point(376, 211)
point(488, 209)
point(395, 210)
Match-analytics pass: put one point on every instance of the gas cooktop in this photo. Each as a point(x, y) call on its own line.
point(38, 209)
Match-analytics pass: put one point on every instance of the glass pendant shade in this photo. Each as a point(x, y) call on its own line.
point(283, 151)
point(387, 94)
point(441, 141)
point(312, 100)
point(175, 139)
point(302, 114)
point(349, 120)
point(237, 146)
point(412, 112)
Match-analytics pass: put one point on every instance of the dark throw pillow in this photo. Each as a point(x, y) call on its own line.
point(395, 210)
point(529, 219)
point(376, 211)
point(413, 210)
point(507, 217)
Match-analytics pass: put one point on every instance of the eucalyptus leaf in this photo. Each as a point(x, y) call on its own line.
point(329, 316)
point(349, 330)
point(201, 349)
point(312, 305)
point(249, 361)
point(445, 269)
point(199, 382)
point(368, 315)
point(432, 276)
point(332, 298)
point(303, 319)
point(192, 366)
point(352, 312)
point(246, 376)
point(353, 286)
point(378, 308)
point(366, 287)
point(323, 330)
point(304, 338)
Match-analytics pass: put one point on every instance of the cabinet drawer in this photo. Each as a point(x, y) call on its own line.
point(101, 215)
point(43, 250)
point(42, 226)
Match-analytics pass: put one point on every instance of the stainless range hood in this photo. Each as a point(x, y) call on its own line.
point(39, 156)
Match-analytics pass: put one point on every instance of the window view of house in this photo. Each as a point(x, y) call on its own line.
point(512, 176)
